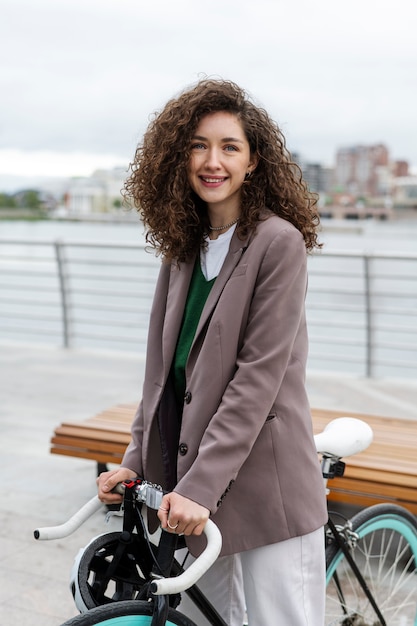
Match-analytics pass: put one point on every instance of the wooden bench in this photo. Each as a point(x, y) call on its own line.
point(385, 472)
point(102, 438)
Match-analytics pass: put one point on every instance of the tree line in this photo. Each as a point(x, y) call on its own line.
point(26, 199)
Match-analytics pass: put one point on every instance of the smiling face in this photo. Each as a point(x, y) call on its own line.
point(220, 159)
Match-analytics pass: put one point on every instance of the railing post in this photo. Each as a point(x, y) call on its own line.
point(63, 285)
point(368, 317)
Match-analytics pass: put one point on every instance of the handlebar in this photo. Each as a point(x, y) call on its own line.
point(151, 495)
point(193, 573)
point(144, 492)
point(63, 530)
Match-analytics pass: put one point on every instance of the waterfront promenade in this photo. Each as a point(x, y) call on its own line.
point(40, 387)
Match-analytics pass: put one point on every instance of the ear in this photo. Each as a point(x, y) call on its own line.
point(253, 163)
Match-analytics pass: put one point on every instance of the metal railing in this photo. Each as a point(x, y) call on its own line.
point(362, 312)
point(361, 308)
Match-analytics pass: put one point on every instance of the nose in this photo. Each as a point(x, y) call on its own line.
point(213, 159)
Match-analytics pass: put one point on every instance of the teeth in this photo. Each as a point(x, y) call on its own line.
point(212, 180)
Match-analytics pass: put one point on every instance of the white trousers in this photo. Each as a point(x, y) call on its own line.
point(282, 584)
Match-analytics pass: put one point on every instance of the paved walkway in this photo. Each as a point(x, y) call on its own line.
point(39, 387)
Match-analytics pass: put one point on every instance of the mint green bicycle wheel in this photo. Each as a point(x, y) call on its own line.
point(125, 613)
point(385, 550)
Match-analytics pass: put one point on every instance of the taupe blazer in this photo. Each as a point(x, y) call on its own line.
point(246, 448)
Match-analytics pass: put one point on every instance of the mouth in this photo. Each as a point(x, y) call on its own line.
point(211, 180)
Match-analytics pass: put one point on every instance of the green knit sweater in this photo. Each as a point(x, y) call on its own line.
point(197, 295)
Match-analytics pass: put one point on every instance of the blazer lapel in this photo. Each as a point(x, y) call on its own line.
point(236, 250)
point(179, 283)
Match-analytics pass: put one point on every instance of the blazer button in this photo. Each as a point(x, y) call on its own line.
point(187, 397)
point(183, 449)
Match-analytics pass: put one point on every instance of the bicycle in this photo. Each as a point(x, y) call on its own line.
point(122, 579)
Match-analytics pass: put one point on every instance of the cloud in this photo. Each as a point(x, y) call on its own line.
point(83, 77)
point(61, 164)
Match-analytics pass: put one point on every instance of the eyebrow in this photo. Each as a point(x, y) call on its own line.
point(225, 139)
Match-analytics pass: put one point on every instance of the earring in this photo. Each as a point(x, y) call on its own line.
point(248, 175)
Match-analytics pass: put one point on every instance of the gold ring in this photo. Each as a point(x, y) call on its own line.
point(161, 508)
point(173, 527)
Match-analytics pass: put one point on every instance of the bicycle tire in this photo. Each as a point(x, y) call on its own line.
point(386, 554)
point(126, 613)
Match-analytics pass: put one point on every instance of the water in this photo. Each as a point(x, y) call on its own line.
point(376, 236)
point(45, 230)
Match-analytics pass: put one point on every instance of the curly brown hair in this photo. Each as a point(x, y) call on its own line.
point(175, 218)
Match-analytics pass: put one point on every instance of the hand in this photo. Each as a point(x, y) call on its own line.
point(108, 480)
point(184, 515)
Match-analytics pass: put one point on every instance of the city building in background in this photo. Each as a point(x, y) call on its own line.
point(364, 183)
point(363, 170)
point(318, 177)
point(98, 193)
point(404, 194)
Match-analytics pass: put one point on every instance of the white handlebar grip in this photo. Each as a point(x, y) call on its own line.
point(63, 530)
point(192, 574)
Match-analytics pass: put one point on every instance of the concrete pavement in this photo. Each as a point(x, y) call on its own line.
point(39, 388)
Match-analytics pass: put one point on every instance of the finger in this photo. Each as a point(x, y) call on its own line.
point(109, 484)
point(113, 479)
point(163, 511)
point(103, 477)
point(163, 517)
point(172, 526)
point(110, 498)
point(196, 527)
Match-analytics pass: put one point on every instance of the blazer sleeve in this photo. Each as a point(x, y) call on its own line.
point(132, 457)
point(276, 315)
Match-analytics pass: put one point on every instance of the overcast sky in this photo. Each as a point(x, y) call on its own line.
point(79, 78)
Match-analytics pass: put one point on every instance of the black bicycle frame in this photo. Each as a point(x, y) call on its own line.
point(164, 564)
point(344, 547)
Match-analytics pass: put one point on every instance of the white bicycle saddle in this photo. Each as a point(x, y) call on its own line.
point(344, 436)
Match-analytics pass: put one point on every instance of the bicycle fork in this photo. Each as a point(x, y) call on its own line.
point(344, 546)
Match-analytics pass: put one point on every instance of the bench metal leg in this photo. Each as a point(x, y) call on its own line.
point(101, 467)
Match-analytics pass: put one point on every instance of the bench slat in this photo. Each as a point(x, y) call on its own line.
point(93, 455)
point(94, 432)
point(85, 443)
point(359, 491)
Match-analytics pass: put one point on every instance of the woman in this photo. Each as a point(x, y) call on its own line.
point(224, 423)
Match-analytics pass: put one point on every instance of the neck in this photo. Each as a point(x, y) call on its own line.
point(224, 226)
point(215, 232)
point(222, 217)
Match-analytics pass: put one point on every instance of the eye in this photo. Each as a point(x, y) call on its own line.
point(197, 146)
point(231, 148)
